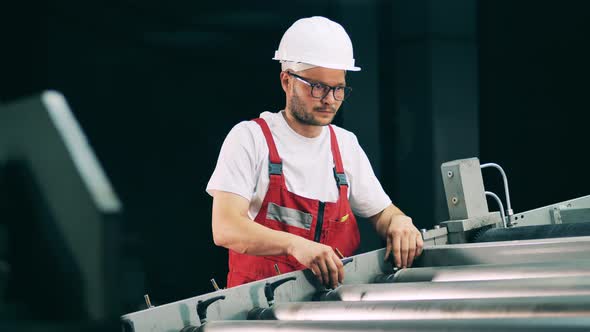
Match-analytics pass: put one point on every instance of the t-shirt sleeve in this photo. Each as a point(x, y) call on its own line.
point(367, 197)
point(235, 171)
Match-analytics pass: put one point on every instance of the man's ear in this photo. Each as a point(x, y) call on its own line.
point(284, 76)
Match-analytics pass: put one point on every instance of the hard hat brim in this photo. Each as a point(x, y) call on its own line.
point(324, 65)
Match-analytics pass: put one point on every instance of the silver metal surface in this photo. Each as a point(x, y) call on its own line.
point(532, 307)
point(455, 325)
point(363, 270)
point(568, 286)
point(542, 215)
point(240, 300)
point(568, 268)
point(506, 252)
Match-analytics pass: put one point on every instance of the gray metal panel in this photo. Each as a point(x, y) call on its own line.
point(464, 189)
point(542, 216)
point(364, 269)
point(74, 184)
point(239, 300)
point(434, 233)
point(95, 180)
point(435, 236)
point(570, 215)
point(455, 226)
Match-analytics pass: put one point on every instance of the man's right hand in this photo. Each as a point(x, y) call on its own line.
point(233, 229)
point(320, 259)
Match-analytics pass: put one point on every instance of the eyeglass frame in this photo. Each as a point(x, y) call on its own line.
point(347, 90)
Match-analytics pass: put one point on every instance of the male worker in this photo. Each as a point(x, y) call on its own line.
point(288, 184)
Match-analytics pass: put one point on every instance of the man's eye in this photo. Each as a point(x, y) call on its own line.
point(320, 86)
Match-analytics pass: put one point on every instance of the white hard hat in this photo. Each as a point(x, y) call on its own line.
point(316, 41)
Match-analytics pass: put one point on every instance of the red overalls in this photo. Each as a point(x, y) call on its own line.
point(329, 223)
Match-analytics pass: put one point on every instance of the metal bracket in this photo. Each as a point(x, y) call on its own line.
point(436, 236)
point(565, 215)
point(464, 189)
point(460, 230)
point(555, 216)
point(340, 178)
point(275, 169)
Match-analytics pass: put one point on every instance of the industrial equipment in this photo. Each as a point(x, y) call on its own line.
point(62, 216)
point(480, 271)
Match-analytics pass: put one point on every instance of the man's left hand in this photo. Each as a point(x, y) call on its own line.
point(403, 240)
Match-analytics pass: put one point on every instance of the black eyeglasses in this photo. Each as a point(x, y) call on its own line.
point(320, 90)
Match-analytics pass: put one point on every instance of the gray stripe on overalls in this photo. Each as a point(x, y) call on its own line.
point(289, 216)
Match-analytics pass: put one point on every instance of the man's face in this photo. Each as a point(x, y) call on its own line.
point(312, 111)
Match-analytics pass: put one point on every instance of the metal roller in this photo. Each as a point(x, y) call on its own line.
point(489, 272)
point(511, 252)
point(568, 286)
point(482, 325)
point(532, 307)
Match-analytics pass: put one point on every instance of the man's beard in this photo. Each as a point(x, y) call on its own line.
point(298, 111)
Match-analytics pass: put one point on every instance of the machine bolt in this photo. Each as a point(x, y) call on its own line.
point(455, 200)
point(214, 283)
point(148, 303)
point(450, 174)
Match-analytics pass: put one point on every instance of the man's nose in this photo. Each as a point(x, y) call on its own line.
point(329, 98)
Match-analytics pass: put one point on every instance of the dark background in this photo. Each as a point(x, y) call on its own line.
point(156, 87)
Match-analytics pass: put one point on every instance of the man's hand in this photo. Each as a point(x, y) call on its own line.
point(320, 259)
point(403, 240)
point(233, 229)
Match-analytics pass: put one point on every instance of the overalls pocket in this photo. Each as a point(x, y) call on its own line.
point(288, 220)
point(344, 235)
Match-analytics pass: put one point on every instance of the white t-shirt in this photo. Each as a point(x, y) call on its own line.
point(242, 167)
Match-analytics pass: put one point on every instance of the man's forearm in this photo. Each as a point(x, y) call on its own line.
point(233, 229)
point(382, 219)
point(243, 235)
